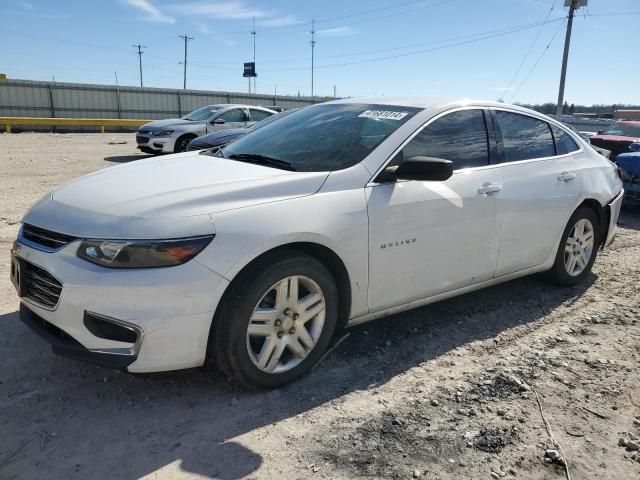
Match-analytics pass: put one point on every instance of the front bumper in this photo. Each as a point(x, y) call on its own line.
point(172, 308)
point(65, 345)
point(149, 143)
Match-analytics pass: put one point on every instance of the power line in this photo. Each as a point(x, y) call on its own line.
point(401, 47)
point(140, 52)
point(535, 39)
point(533, 67)
point(417, 52)
point(380, 9)
point(186, 38)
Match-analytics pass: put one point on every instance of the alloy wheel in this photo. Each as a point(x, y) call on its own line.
point(286, 324)
point(579, 247)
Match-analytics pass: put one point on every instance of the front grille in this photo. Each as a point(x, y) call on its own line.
point(142, 130)
point(39, 285)
point(44, 237)
point(141, 139)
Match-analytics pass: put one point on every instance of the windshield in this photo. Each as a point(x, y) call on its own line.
point(201, 114)
point(623, 129)
point(323, 137)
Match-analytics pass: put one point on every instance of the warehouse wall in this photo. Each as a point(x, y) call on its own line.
point(27, 98)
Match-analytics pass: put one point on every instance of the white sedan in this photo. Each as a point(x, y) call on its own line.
point(256, 254)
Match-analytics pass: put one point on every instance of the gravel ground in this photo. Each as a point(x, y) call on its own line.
point(454, 390)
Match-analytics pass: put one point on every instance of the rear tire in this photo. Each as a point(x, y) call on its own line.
point(183, 143)
point(578, 248)
point(276, 320)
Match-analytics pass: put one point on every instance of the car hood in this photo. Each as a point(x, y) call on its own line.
point(167, 198)
point(170, 122)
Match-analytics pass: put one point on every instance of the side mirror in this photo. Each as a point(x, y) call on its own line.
point(635, 147)
point(600, 132)
point(219, 121)
point(425, 169)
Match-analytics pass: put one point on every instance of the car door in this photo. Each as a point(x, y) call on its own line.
point(256, 115)
point(541, 187)
point(232, 118)
point(427, 238)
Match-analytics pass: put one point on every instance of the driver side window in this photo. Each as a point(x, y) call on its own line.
point(234, 115)
point(459, 136)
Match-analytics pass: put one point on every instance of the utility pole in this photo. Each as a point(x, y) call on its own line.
point(253, 33)
point(186, 39)
point(334, 91)
point(140, 52)
point(116, 74)
point(313, 46)
point(573, 6)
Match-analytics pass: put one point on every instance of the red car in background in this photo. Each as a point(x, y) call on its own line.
point(617, 137)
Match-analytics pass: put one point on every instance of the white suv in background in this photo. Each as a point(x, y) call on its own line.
point(334, 215)
point(174, 134)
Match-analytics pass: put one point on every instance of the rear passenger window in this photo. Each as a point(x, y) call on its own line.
point(524, 137)
point(564, 143)
point(257, 115)
point(459, 136)
point(234, 115)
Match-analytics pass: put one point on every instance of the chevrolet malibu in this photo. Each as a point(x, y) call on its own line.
point(175, 134)
point(256, 254)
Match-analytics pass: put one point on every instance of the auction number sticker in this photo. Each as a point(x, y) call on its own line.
point(383, 114)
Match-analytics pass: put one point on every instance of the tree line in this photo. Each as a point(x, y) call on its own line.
point(549, 108)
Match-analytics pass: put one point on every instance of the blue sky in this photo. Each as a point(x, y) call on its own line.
point(431, 47)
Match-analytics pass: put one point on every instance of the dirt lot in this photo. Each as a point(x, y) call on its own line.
point(447, 391)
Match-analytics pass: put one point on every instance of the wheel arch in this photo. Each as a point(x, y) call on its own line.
point(325, 255)
point(182, 137)
point(603, 213)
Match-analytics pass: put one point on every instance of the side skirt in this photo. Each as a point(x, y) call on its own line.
point(443, 296)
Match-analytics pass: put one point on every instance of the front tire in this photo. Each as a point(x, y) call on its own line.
point(578, 248)
point(183, 143)
point(276, 320)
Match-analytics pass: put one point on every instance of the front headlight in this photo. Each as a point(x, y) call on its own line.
point(162, 132)
point(142, 253)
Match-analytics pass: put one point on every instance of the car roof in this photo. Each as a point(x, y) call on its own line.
point(630, 122)
point(434, 103)
point(236, 105)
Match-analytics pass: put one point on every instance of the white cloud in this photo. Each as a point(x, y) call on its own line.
point(227, 10)
point(336, 31)
point(280, 21)
point(202, 28)
point(232, 10)
point(152, 14)
point(27, 5)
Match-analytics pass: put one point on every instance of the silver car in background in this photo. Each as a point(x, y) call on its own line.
point(173, 135)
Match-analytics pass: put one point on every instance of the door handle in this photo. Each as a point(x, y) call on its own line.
point(488, 189)
point(566, 177)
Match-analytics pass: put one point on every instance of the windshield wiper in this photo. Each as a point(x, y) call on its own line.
point(262, 160)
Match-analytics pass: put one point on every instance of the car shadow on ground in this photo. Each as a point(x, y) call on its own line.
point(127, 158)
point(192, 421)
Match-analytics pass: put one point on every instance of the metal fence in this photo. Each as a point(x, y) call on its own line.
point(27, 98)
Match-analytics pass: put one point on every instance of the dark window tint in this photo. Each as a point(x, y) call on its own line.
point(564, 142)
point(257, 115)
point(524, 137)
point(459, 136)
point(234, 115)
